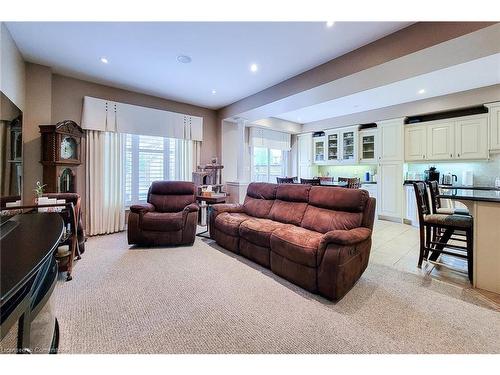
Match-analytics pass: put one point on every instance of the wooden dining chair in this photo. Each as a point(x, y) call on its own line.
point(310, 181)
point(352, 183)
point(286, 180)
point(436, 231)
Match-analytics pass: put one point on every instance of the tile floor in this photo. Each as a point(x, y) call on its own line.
point(397, 245)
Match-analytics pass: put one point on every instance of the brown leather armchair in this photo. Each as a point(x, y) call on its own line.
point(168, 218)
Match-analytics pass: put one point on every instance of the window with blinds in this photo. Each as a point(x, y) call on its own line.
point(148, 159)
point(268, 163)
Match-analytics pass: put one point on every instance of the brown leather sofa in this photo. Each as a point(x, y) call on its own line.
point(316, 237)
point(169, 217)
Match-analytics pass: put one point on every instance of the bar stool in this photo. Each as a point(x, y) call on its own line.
point(436, 202)
point(437, 229)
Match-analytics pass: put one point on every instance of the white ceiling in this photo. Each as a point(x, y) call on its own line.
point(470, 75)
point(143, 56)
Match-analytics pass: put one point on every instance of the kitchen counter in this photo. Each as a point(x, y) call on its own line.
point(484, 206)
point(470, 194)
point(473, 187)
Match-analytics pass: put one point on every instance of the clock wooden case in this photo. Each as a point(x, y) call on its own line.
point(61, 155)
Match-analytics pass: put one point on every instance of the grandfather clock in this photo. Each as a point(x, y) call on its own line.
point(61, 155)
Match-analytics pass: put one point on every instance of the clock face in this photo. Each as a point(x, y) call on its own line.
point(68, 148)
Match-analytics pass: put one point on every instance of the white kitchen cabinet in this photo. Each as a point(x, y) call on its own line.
point(304, 156)
point(349, 145)
point(332, 138)
point(391, 140)
point(415, 142)
point(390, 190)
point(368, 147)
point(494, 124)
point(319, 149)
point(440, 140)
point(471, 138)
point(410, 210)
point(370, 188)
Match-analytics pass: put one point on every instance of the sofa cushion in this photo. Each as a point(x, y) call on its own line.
point(162, 221)
point(288, 212)
point(258, 231)
point(259, 199)
point(257, 207)
point(339, 199)
point(293, 193)
point(323, 220)
point(296, 244)
point(170, 203)
point(229, 222)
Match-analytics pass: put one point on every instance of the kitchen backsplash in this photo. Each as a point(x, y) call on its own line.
point(485, 172)
point(346, 170)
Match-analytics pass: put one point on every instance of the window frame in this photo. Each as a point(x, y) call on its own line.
point(284, 163)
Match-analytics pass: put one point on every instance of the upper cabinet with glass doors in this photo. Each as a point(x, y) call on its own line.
point(368, 146)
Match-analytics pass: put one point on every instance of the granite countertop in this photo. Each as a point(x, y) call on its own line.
point(462, 187)
point(473, 187)
point(470, 194)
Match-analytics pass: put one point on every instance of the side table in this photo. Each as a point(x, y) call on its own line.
point(209, 201)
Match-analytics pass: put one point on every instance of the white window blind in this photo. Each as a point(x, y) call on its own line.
point(149, 159)
point(271, 139)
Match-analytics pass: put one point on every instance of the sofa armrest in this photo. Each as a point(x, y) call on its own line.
point(193, 207)
point(142, 208)
point(226, 207)
point(347, 237)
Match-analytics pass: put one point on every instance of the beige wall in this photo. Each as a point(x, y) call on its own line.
point(38, 110)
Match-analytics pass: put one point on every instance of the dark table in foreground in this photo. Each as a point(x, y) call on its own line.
point(27, 246)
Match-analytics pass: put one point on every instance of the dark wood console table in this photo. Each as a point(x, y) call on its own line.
point(27, 246)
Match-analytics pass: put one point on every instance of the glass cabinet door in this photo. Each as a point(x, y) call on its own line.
point(333, 146)
point(348, 145)
point(368, 147)
point(319, 150)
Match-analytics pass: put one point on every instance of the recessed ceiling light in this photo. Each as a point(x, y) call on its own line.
point(421, 91)
point(214, 91)
point(254, 67)
point(184, 59)
point(104, 60)
point(329, 23)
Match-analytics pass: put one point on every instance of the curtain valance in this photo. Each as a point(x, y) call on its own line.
point(110, 116)
point(260, 137)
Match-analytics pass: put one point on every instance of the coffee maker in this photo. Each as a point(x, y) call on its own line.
point(431, 174)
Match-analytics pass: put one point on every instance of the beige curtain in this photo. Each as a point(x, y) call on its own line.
point(104, 183)
point(196, 154)
point(187, 159)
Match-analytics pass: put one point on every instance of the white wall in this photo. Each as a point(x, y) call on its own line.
point(12, 77)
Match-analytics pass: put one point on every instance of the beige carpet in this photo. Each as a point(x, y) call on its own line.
point(202, 299)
